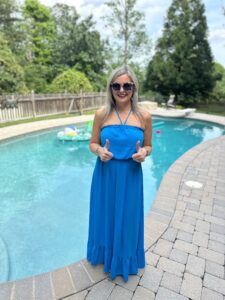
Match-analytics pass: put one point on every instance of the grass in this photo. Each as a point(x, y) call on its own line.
point(212, 109)
point(218, 113)
point(44, 118)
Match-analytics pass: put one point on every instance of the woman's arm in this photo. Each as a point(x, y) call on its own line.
point(95, 144)
point(147, 143)
point(96, 130)
point(146, 148)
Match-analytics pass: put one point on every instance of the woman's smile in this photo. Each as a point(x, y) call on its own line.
point(122, 95)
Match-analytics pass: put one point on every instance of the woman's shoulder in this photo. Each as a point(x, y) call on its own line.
point(100, 112)
point(145, 114)
point(100, 115)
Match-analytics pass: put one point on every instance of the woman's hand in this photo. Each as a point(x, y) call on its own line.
point(104, 153)
point(141, 153)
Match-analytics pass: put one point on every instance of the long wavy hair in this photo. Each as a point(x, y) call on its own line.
point(110, 101)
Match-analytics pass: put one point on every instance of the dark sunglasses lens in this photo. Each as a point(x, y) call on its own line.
point(116, 86)
point(127, 86)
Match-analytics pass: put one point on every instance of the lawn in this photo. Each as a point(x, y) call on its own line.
point(44, 118)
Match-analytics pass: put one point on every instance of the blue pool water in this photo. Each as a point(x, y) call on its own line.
point(44, 193)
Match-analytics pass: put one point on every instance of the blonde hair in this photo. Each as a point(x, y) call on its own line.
point(110, 101)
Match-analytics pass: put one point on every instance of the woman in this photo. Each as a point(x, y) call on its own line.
point(121, 138)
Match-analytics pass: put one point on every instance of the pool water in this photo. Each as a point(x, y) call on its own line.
point(44, 192)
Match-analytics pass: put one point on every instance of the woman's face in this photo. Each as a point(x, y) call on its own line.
point(122, 93)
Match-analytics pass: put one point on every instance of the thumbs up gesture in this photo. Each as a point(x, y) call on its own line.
point(105, 155)
point(141, 153)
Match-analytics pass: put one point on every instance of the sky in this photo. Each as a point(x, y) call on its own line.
point(155, 12)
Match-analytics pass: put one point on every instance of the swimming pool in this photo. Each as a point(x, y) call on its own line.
point(44, 193)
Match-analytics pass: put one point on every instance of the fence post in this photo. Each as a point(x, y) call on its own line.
point(81, 102)
point(65, 102)
point(33, 104)
point(70, 106)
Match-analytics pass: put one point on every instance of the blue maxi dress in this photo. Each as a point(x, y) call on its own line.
point(116, 216)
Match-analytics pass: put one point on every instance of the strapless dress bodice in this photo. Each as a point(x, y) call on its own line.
point(122, 139)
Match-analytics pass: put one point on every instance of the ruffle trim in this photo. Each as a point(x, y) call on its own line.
point(116, 265)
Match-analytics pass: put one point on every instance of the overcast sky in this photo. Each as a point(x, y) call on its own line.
point(155, 11)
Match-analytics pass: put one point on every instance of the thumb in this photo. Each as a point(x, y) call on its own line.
point(106, 144)
point(138, 146)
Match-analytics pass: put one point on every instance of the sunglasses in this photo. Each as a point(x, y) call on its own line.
point(128, 86)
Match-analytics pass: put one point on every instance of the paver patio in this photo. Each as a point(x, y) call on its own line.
point(184, 240)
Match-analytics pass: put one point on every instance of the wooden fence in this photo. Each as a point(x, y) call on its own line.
point(15, 107)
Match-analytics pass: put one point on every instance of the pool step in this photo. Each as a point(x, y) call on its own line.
point(184, 125)
point(4, 261)
point(157, 124)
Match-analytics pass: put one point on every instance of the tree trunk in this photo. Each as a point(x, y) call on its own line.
point(126, 34)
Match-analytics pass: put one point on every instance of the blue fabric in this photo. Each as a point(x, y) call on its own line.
point(116, 217)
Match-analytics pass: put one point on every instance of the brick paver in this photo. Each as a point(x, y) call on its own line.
point(195, 265)
point(191, 286)
point(184, 240)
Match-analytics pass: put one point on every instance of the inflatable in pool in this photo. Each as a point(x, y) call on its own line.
point(72, 133)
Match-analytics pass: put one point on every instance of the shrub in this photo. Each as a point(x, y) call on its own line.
point(70, 81)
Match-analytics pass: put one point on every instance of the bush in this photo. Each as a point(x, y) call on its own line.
point(153, 96)
point(218, 93)
point(70, 81)
point(35, 76)
point(11, 73)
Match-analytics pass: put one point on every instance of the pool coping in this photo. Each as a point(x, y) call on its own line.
point(81, 276)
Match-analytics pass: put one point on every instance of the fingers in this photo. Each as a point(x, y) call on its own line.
point(106, 144)
point(138, 147)
point(106, 155)
point(140, 155)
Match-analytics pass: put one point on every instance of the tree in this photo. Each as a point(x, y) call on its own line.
point(218, 93)
point(77, 43)
point(41, 31)
point(127, 26)
point(183, 63)
point(37, 77)
point(71, 81)
point(11, 73)
point(8, 8)
point(11, 25)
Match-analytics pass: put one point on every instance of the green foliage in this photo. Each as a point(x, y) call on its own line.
point(35, 77)
point(40, 31)
point(218, 93)
point(70, 81)
point(11, 26)
point(8, 10)
point(7, 7)
point(182, 64)
point(140, 72)
point(11, 73)
point(77, 44)
point(46, 42)
point(127, 26)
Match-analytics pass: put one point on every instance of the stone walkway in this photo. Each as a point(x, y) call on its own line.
point(184, 242)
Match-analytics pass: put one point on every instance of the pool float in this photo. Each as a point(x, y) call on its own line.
point(72, 133)
point(89, 125)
